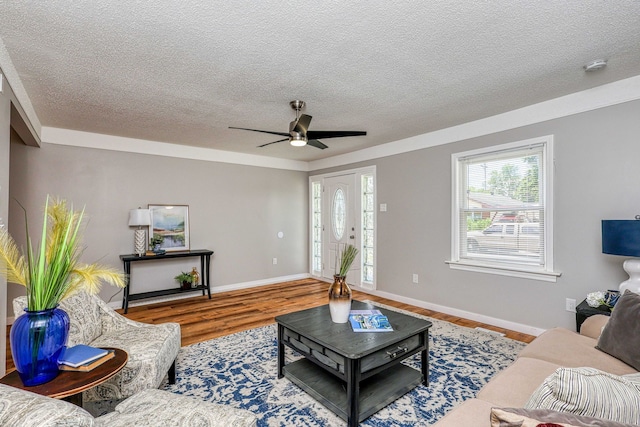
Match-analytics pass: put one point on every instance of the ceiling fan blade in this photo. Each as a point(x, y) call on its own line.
point(262, 131)
point(303, 124)
point(324, 134)
point(317, 144)
point(269, 143)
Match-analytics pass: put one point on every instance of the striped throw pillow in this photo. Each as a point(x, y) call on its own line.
point(590, 392)
point(500, 418)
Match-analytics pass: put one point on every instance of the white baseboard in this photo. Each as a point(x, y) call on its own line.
point(500, 323)
point(214, 290)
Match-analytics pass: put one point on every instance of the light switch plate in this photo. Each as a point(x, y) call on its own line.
point(570, 305)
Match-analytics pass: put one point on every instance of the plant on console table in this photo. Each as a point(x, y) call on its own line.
point(339, 291)
point(185, 279)
point(50, 273)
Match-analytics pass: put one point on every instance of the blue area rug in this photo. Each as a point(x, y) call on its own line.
point(240, 370)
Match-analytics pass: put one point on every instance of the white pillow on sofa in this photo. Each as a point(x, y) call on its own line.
point(590, 392)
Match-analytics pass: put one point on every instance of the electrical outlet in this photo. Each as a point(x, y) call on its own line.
point(570, 305)
point(415, 278)
point(275, 261)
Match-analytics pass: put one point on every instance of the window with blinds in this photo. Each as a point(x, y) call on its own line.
point(501, 207)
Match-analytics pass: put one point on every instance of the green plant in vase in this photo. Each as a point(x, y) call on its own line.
point(346, 259)
point(339, 291)
point(185, 279)
point(156, 243)
point(50, 272)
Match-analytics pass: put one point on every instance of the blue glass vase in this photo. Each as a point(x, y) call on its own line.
point(37, 339)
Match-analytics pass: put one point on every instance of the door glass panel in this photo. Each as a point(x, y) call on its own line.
point(368, 227)
point(368, 220)
point(317, 227)
point(368, 239)
point(338, 214)
point(368, 202)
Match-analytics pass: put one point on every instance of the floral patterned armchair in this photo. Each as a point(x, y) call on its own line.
point(148, 408)
point(152, 349)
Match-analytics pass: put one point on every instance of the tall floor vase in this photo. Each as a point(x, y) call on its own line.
point(339, 299)
point(37, 339)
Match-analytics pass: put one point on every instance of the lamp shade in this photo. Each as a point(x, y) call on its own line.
point(138, 217)
point(621, 237)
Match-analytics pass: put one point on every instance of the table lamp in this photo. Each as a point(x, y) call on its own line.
point(622, 237)
point(138, 218)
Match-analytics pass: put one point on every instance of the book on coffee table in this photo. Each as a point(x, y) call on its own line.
point(369, 321)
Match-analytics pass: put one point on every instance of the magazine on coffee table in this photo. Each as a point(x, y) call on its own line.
point(369, 321)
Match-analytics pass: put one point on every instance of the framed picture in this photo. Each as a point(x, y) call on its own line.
point(170, 227)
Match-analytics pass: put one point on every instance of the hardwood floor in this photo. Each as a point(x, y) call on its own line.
point(226, 313)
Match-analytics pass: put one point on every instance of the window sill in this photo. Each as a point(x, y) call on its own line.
point(505, 270)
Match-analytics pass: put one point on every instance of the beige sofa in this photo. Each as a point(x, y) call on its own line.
point(553, 349)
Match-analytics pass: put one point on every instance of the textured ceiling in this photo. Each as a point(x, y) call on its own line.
point(183, 72)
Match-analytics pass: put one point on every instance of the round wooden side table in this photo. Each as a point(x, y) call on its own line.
point(69, 385)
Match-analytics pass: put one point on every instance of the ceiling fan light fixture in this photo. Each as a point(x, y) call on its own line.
point(299, 134)
point(297, 139)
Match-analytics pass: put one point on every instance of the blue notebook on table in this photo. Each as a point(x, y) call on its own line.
point(80, 354)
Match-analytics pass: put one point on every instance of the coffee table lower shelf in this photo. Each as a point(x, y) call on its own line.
point(376, 392)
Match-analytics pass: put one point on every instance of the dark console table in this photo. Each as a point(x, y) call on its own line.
point(205, 261)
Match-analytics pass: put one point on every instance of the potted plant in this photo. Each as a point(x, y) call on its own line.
point(339, 291)
point(50, 273)
point(185, 279)
point(156, 241)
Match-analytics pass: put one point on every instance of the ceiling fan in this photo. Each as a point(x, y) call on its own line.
point(298, 134)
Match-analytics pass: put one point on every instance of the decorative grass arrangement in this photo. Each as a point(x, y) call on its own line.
point(346, 259)
point(53, 272)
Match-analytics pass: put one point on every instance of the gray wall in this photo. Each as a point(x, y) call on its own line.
point(596, 177)
point(237, 211)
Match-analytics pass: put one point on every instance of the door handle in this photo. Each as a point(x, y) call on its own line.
point(352, 237)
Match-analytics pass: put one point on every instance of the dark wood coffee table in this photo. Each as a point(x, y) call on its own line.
point(69, 385)
point(354, 374)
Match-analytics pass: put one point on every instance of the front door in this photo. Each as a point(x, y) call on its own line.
point(340, 225)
